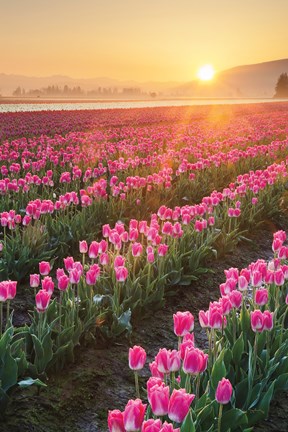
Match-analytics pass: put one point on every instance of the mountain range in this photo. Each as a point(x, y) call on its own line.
point(254, 80)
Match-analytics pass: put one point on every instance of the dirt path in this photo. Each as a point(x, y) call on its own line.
point(78, 398)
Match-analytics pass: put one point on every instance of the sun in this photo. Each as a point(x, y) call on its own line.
point(206, 73)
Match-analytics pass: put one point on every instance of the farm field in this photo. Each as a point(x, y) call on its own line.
point(113, 222)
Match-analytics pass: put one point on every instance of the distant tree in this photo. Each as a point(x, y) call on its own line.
point(282, 86)
point(17, 91)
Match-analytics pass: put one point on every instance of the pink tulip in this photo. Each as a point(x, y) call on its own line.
point(121, 274)
point(68, 263)
point(162, 249)
point(195, 361)
point(168, 427)
point(183, 323)
point(279, 278)
point(257, 321)
point(261, 296)
point(236, 299)
point(179, 405)
point(151, 425)
point(256, 279)
point(3, 292)
point(133, 415)
point(11, 289)
point(224, 391)
point(203, 319)
point(115, 421)
point(153, 381)
point(162, 359)
point(34, 280)
point(155, 371)
point(174, 361)
point(75, 276)
point(63, 282)
point(137, 358)
point(83, 247)
point(44, 268)
point(93, 250)
point(104, 259)
point(119, 261)
point(136, 249)
point(47, 285)
point(42, 300)
point(268, 320)
point(91, 277)
point(159, 399)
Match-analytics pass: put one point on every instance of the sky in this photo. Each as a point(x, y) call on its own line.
point(142, 40)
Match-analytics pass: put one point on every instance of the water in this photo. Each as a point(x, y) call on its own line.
point(66, 106)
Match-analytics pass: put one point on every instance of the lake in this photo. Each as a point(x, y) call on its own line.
point(83, 105)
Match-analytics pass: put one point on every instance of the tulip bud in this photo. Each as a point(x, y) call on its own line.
point(42, 300)
point(224, 391)
point(115, 421)
point(133, 415)
point(44, 268)
point(137, 358)
point(183, 323)
point(179, 405)
point(261, 296)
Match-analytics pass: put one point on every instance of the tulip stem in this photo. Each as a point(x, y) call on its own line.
point(1, 317)
point(197, 386)
point(179, 342)
point(7, 313)
point(173, 380)
point(137, 384)
point(188, 384)
point(267, 348)
point(220, 417)
point(255, 355)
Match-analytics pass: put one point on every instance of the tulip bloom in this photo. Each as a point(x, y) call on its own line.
point(183, 323)
point(115, 421)
point(155, 371)
point(44, 268)
point(121, 273)
point(224, 391)
point(261, 296)
point(63, 282)
point(159, 399)
point(11, 289)
point(151, 425)
point(133, 415)
point(137, 358)
point(34, 280)
point(179, 405)
point(168, 427)
point(42, 300)
point(3, 292)
point(47, 284)
point(195, 361)
point(83, 247)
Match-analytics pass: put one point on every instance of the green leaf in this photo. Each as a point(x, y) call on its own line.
point(218, 372)
point(27, 382)
point(188, 424)
point(233, 419)
point(238, 349)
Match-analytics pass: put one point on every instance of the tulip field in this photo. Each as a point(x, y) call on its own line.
point(105, 216)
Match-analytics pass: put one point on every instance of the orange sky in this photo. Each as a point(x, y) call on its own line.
point(139, 39)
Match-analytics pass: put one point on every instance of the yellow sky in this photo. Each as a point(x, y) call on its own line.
point(139, 39)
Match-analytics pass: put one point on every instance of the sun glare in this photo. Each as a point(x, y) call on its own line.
point(206, 73)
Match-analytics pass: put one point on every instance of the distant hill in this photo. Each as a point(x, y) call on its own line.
point(256, 80)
